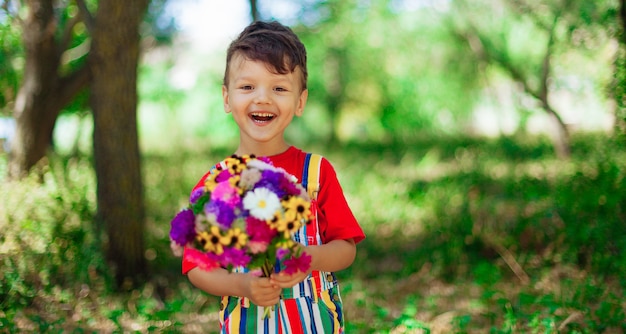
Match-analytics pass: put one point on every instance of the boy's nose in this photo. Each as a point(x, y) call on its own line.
point(261, 96)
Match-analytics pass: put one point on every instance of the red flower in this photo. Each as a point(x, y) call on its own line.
point(295, 264)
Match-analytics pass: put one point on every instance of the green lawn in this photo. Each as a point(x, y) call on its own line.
point(463, 235)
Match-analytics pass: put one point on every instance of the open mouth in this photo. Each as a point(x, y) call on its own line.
point(262, 117)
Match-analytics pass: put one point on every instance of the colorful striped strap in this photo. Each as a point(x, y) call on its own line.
point(311, 174)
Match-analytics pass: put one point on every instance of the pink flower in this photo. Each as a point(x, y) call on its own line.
point(226, 193)
point(257, 247)
point(234, 257)
point(259, 230)
point(223, 176)
point(256, 272)
point(295, 264)
point(201, 259)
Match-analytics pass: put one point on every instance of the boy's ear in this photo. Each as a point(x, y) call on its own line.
point(302, 102)
point(225, 98)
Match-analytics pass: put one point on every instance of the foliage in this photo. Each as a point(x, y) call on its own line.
point(393, 70)
point(160, 24)
point(10, 63)
point(445, 217)
point(373, 86)
point(159, 29)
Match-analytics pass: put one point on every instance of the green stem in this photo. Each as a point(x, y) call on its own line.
point(267, 268)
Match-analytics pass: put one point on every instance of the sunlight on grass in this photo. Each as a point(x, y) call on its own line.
point(462, 236)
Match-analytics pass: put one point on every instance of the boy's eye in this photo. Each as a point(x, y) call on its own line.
point(280, 89)
point(246, 87)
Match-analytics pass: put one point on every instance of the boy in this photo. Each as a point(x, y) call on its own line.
point(264, 88)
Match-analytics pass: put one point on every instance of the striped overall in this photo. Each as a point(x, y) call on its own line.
point(312, 306)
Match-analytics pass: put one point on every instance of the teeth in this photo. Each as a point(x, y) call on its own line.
point(262, 115)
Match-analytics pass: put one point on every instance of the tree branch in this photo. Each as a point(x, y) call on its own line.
point(71, 84)
point(545, 70)
point(66, 35)
point(86, 15)
point(525, 8)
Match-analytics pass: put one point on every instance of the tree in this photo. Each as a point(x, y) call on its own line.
point(47, 85)
point(107, 60)
point(114, 58)
point(551, 30)
point(533, 79)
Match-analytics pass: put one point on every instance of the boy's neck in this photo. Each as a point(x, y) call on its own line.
point(262, 150)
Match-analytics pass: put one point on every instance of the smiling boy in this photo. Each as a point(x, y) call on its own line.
point(264, 88)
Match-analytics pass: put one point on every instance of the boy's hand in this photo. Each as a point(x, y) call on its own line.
point(262, 292)
point(285, 281)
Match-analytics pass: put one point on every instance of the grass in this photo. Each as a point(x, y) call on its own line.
point(463, 235)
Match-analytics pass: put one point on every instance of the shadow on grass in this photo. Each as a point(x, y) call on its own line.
point(463, 235)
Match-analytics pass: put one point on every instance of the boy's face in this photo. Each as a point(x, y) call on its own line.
point(263, 103)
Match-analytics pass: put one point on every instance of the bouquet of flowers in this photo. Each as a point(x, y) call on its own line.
point(244, 216)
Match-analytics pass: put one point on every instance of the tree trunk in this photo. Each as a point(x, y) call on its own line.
point(620, 77)
point(43, 92)
point(561, 139)
point(114, 59)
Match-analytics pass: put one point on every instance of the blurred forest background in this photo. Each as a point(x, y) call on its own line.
point(479, 142)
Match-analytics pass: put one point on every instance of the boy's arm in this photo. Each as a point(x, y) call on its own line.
point(220, 282)
point(333, 256)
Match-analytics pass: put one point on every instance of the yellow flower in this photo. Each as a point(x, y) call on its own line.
point(234, 182)
point(297, 209)
point(235, 238)
point(282, 224)
point(210, 183)
point(286, 244)
point(236, 164)
point(211, 240)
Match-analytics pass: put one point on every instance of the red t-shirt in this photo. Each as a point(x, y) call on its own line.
point(336, 220)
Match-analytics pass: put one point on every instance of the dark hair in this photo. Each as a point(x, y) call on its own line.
point(272, 43)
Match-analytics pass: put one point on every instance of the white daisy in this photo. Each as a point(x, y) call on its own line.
point(262, 203)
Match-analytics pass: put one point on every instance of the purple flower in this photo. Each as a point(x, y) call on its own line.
point(290, 188)
point(281, 253)
point(235, 257)
point(196, 194)
point(295, 264)
point(224, 213)
point(271, 180)
point(183, 227)
point(271, 176)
